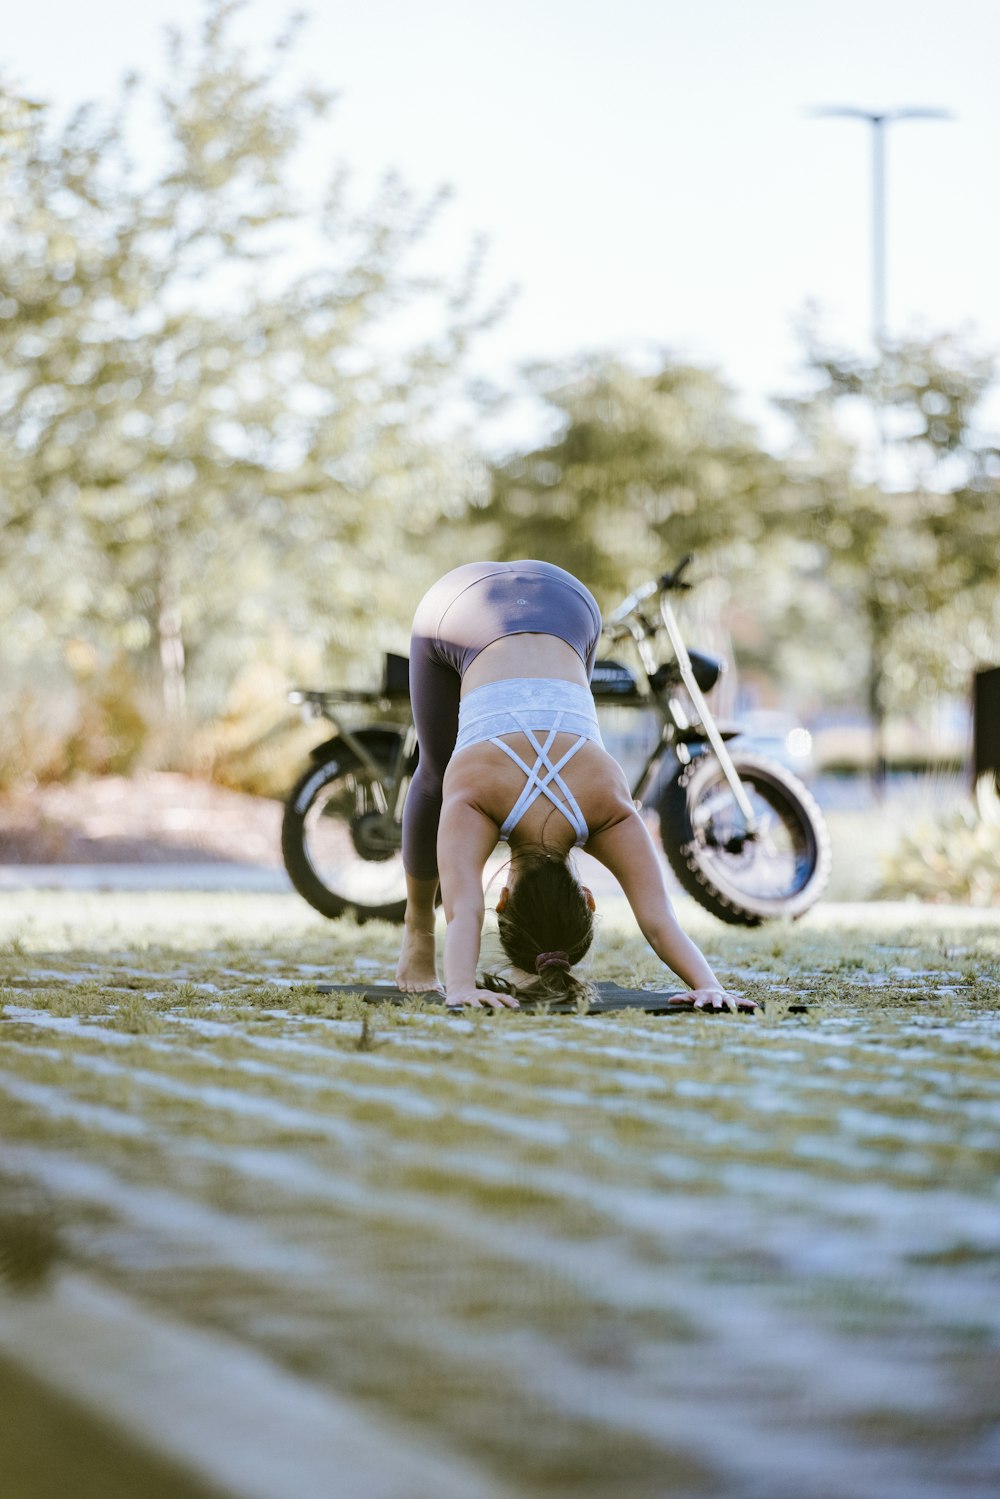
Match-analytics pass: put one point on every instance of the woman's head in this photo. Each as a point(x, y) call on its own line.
point(545, 919)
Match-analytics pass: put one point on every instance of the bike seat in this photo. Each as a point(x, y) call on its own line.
point(695, 733)
point(614, 682)
point(396, 678)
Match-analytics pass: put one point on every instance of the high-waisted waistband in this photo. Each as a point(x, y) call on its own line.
point(506, 707)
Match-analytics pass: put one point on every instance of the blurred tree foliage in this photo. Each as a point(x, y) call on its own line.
point(646, 466)
point(643, 468)
point(219, 400)
point(828, 580)
point(910, 550)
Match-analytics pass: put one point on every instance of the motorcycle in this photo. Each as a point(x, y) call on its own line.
point(742, 834)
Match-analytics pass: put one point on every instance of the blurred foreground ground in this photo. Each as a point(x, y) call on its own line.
point(251, 1245)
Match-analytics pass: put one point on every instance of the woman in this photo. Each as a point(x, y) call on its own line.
point(500, 665)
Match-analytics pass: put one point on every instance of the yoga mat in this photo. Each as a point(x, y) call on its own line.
point(609, 997)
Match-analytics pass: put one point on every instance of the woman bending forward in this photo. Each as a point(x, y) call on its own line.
point(500, 665)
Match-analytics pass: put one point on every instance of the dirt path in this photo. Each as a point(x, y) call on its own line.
point(158, 818)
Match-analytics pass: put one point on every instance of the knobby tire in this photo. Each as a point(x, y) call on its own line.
point(779, 876)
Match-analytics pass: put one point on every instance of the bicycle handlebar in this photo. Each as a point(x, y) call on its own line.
point(662, 584)
point(629, 605)
point(673, 580)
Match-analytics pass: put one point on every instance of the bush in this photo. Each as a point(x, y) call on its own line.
point(99, 723)
point(954, 855)
point(257, 744)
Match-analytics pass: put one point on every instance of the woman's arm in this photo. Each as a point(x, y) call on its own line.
point(626, 849)
point(466, 838)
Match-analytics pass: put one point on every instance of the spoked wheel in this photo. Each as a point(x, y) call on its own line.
point(340, 841)
point(778, 870)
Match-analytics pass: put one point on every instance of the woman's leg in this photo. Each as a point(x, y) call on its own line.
point(416, 971)
point(435, 689)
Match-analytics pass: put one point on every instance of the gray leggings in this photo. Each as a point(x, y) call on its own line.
point(465, 611)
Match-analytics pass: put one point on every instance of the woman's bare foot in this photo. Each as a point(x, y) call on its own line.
point(416, 971)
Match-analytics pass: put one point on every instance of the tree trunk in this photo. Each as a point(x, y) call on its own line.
point(171, 641)
point(876, 698)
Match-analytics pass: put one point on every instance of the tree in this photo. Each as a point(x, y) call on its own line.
point(910, 548)
point(646, 466)
point(209, 430)
point(643, 468)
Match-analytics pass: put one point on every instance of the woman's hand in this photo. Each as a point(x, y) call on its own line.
point(720, 999)
point(479, 999)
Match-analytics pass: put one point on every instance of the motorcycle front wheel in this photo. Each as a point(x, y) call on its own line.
point(778, 870)
point(339, 840)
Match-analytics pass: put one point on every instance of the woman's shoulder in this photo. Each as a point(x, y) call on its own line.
point(471, 771)
point(602, 790)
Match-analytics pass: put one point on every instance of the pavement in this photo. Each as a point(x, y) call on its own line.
point(216, 875)
point(194, 876)
point(219, 878)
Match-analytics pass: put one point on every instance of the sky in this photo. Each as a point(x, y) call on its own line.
point(645, 171)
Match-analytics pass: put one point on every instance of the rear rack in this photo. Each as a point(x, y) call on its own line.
point(395, 689)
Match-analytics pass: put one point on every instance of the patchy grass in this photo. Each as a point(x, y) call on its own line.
point(558, 1245)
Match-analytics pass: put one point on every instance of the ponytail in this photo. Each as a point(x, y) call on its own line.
point(546, 926)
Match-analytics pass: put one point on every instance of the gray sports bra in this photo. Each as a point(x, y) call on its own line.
point(524, 705)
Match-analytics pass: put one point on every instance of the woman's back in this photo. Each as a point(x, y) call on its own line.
point(526, 655)
point(486, 777)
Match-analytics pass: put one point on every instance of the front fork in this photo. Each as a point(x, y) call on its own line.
point(697, 697)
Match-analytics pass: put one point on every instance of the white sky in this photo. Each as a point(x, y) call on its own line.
point(644, 169)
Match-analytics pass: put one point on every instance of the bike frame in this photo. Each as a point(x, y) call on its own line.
point(642, 633)
point(324, 704)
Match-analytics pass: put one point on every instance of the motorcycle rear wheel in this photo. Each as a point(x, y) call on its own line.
point(745, 880)
point(339, 842)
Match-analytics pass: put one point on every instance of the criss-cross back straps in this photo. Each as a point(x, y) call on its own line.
point(539, 784)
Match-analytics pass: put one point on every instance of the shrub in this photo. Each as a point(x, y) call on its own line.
point(953, 855)
point(99, 722)
point(257, 744)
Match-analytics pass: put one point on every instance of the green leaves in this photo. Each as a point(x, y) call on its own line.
point(209, 414)
point(910, 548)
point(954, 856)
point(645, 468)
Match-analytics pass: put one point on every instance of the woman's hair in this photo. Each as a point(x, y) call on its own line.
point(545, 926)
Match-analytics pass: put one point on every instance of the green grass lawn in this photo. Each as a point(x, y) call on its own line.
point(251, 1244)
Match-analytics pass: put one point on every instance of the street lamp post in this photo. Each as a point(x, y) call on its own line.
point(878, 120)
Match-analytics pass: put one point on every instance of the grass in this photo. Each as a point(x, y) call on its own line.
point(555, 1256)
